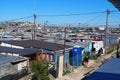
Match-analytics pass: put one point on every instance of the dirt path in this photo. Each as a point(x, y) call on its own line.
point(82, 71)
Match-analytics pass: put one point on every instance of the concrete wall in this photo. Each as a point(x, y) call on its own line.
point(22, 65)
point(60, 66)
point(8, 68)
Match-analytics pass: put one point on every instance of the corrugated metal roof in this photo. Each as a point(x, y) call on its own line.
point(108, 71)
point(4, 59)
point(38, 44)
point(80, 44)
point(83, 44)
point(116, 3)
point(21, 52)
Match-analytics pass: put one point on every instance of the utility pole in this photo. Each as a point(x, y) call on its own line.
point(106, 30)
point(79, 25)
point(64, 37)
point(34, 29)
point(45, 24)
point(64, 47)
point(108, 12)
point(34, 32)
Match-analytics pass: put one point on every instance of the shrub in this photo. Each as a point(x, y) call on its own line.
point(40, 69)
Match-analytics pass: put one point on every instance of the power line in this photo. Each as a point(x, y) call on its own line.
point(93, 18)
point(114, 17)
point(54, 15)
point(20, 18)
point(71, 14)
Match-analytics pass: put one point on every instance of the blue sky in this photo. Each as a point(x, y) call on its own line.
point(12, 9)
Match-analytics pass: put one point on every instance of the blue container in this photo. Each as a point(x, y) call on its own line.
point(76, 56)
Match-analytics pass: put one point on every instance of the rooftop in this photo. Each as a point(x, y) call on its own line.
point(38, 44)
point(21, 52)
point(9, 59)
point(108, 71)
point(116, 3)
point(80, 44)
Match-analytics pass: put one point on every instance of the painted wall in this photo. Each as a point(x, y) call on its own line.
point(66, 57)
point(88, 49)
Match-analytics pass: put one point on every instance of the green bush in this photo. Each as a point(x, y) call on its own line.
point(40, 69)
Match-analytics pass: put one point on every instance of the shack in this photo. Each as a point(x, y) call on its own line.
point(12, 67)
point(27, 52)
point(47, 50)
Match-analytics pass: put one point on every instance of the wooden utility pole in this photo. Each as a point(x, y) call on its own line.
point(64, 47)
point(108, 12)
point(34, 26)
point(34, 32)
point(45, 25)
point(64, 38)
point(106, 30)
point(79, 25)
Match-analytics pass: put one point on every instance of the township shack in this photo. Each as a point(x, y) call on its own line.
point(12, 67)
point(47, 50)
point(108, 71)
point(27, 52)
